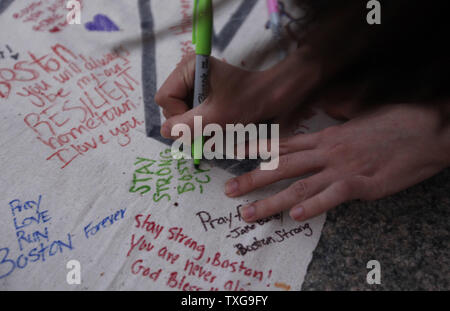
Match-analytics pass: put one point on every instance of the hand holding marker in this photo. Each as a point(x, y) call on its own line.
point(201, 37)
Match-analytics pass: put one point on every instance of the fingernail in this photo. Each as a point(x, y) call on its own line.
point(248, 212)
point(297, 213)
point(165, 130)
point(231, 187)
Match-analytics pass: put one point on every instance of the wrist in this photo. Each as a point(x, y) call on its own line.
point(293, 80)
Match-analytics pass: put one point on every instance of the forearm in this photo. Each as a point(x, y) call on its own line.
point(293, 80)
point(321, 57)
point(433, 120)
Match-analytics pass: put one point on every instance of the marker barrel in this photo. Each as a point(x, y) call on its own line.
point(201, 79)
point(201, 87)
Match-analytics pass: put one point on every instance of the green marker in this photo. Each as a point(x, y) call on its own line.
point(201, 38)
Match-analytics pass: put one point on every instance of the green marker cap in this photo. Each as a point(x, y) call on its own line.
point(202, 26)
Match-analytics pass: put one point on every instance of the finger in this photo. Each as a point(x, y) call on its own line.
point(177, 107)
point(177, 87)
point(286, 199)
point(332, 196)
point(172, 120)
point(297, 143)
point(186, 118)
point(286, 145)
point(166, 114)
point(290, 165)
point(173, 112)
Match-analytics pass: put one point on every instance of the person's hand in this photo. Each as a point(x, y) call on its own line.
point(369, 157)
point(236, 95)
